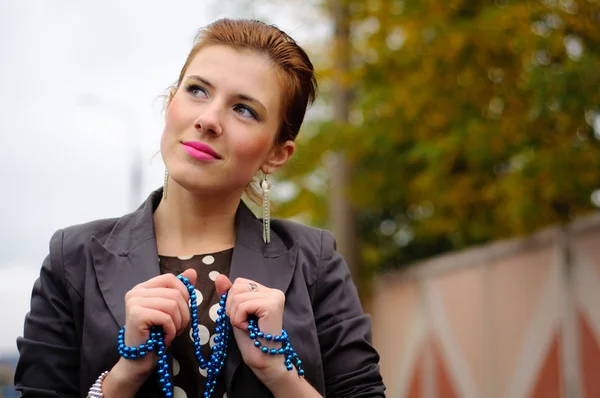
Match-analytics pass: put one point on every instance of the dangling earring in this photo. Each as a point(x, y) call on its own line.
point(266, 185)
point(165, 184)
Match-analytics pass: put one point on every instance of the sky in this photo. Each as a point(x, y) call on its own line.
point(81, 92)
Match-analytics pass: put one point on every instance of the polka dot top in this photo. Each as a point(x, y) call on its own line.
point(189, 380)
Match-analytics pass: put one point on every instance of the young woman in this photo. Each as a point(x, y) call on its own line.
point(233, 115)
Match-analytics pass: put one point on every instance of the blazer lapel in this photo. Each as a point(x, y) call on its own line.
point(271, 265)
point(127, 257)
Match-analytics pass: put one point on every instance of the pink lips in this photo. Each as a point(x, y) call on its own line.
point(200, 151)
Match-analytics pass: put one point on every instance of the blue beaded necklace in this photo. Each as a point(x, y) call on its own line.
point(156, 343)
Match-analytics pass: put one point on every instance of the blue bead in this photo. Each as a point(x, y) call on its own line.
point(269, 337)
point(257, 343)
point(273, 351)
point(252, 335)
point(277, 339)
point(261, 334)
point(289, 367)
point(265, 349)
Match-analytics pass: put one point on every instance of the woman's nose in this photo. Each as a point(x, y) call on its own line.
point(209, 121)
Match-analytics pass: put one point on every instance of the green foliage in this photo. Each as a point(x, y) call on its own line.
point(468, 123)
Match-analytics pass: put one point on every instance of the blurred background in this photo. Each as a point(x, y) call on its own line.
point(454, 151)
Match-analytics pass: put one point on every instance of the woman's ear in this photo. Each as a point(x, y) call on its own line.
point(278, 156)
point(170, 95)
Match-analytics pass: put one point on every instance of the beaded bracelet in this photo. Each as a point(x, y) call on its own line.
point(155, 343)
point(287, 350)
point(96, 388)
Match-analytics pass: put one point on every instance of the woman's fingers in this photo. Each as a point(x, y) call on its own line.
point(144, 318)
point(163, 294)
point(266, 304)
point(168, 306)
point(222, 284)
point(191, 274)
point(172, 294)
point(242, 309)
point(170, 281)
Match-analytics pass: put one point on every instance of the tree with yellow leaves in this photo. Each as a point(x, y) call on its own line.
point(471, 120)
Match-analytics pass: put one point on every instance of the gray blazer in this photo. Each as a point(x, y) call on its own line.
point(77, 306)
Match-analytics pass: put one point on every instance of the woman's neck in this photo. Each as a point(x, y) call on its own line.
point(187, 223)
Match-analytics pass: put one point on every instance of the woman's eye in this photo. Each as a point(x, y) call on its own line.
point(196, 90)
point(245, 111)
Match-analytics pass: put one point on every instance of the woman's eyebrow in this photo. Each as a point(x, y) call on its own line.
point(243, 97)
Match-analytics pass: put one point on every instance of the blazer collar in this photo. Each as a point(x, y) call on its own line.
point(129, 257)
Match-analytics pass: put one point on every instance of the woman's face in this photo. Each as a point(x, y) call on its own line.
point(221, 123)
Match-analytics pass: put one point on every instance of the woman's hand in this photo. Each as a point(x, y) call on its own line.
point(160, 301)
point(267, 305)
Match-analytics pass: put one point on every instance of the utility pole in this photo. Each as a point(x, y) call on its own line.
point(571, 360)
point(342, 220)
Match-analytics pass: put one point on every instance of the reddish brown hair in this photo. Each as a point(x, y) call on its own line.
point(296, 72)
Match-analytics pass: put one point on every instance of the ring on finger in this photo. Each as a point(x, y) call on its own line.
point(253, 287)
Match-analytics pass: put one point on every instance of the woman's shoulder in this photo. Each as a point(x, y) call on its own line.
point(317, 241)
point(74, 238)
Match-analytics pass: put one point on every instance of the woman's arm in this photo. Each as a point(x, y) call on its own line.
point(290, 385)
point(267, 305)
point(48, 363)
point(350, 363)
